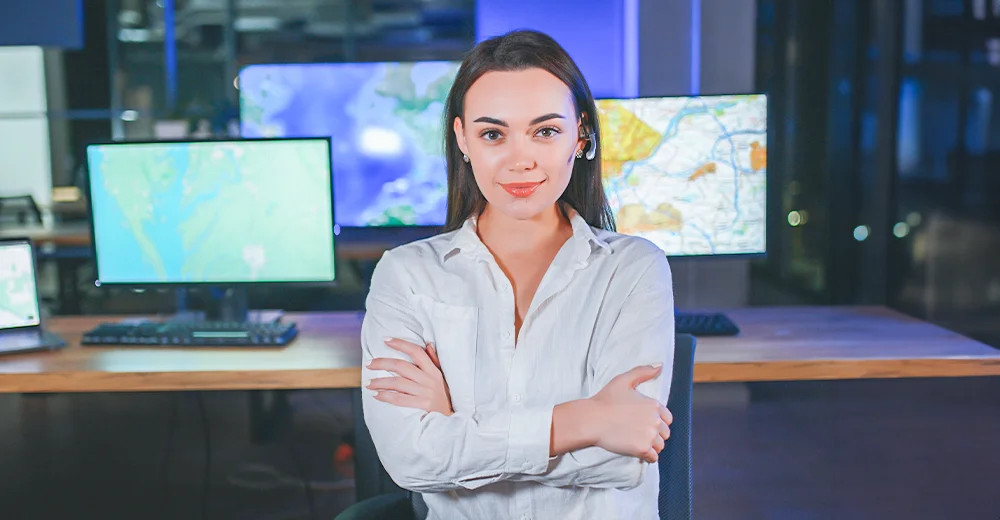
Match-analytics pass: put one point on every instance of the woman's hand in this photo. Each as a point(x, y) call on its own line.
point(419, 384)
point(627, 422)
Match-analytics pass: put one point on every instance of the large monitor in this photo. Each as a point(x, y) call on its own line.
point(386, 123)
point(224, 213)
point(688, 173)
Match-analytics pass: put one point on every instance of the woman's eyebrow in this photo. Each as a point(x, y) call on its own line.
point(546, 117)
point(492, 121)
point(535, 121)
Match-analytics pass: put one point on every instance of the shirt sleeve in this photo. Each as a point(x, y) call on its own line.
point(643, 334)
point(431, 452)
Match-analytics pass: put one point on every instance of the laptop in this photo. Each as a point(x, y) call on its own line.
point(20, 314)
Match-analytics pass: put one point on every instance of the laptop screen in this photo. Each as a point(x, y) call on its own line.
point(18, 295)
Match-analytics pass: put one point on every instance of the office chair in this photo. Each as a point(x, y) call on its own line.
point(676, 483)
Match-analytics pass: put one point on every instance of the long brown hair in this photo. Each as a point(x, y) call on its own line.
point(514, 51)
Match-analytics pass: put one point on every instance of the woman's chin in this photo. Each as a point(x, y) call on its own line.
point(527, 208)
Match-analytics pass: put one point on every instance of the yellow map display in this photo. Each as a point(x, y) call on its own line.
point(688, 173)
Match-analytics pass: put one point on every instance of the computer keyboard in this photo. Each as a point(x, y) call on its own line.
point(705, 324)
point(193, 334)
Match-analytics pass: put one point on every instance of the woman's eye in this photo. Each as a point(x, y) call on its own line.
point(491, 135)
point(548, 132)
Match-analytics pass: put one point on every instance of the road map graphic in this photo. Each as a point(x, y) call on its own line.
point(386, 124)
point(18, 295)
point(248, 211)
point(688, 173)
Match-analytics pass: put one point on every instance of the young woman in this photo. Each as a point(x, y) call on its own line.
point(514, 363)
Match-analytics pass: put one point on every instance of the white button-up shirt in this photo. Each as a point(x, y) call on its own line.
point(604, 306)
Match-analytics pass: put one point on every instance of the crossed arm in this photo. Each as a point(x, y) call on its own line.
point(426, 447)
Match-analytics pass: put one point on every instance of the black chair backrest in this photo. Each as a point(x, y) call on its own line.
point(676, 484)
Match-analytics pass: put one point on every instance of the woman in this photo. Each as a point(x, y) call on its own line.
point(514, 362)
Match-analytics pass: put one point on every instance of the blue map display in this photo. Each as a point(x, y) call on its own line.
point(385, 120)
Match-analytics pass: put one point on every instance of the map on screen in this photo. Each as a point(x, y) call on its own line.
point(18, 294)
point(386, 123)
point(212, 212)
point(688, 173)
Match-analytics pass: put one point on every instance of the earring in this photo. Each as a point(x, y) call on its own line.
point(587, 135)
point(465, 157)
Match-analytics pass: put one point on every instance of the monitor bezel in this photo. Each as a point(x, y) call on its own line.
point(34, 268)
point(767, 175)
point(363, 234)
point(209, 284)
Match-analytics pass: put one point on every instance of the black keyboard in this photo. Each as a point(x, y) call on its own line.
point(193, 334)
point(705, 324)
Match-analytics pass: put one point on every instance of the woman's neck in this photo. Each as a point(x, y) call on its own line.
point(503, 234)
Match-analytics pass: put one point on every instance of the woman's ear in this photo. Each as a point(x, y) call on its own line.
point(459, 130)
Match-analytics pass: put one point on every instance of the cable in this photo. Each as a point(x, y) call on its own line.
point(168, 451)
point(207, 478)
point(300, 468)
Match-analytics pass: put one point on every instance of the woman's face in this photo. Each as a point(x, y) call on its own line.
point(521, 135)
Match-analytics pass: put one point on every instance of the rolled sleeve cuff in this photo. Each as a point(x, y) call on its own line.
point(530, 438)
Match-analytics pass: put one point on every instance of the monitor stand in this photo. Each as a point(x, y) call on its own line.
point(232, 306)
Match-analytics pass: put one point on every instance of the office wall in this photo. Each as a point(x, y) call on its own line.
point(41, 23)
point(600, 35)
point(25, 161)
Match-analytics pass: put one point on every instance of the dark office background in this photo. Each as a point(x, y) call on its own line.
point(884, 182)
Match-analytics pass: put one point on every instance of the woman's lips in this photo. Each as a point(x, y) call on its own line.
point(521, 189)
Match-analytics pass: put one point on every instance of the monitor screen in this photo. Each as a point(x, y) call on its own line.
point(386, 123)
point(18, 294)
point(214, 212)
point(688, 173)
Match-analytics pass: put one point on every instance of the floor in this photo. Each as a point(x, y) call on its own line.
point(915, 449)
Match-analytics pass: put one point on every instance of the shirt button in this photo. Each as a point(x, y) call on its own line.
point(525, 517)
point(506, 333)
point(517, 398)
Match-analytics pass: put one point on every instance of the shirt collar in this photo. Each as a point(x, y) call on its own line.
point(465, 240)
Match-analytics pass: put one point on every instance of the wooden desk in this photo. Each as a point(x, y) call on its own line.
point(814, 343)
point(327, 354)
point(60, 235)
point(794, 343)
point(776, 344)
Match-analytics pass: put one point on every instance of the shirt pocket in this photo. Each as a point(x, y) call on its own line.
point(454, 331)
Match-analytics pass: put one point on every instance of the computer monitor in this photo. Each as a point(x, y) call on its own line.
point(224, 213)
point(21, 328)
point(386, 123)
point(18, 294)
point(688, 173)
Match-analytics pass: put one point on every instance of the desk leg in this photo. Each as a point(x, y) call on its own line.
point(370, 478)
point(69, 289)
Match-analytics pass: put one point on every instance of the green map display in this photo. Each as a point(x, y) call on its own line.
point(213, 212)
point(18, 295)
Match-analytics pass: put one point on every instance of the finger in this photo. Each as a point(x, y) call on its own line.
point(664, 431)
point(413, 351)
point(651, 456)
point(640, 374)
point(666, 416)
point(658, 444)
point(401, 368)
point(433, 354)
point(403, 400)
point(396, 384)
